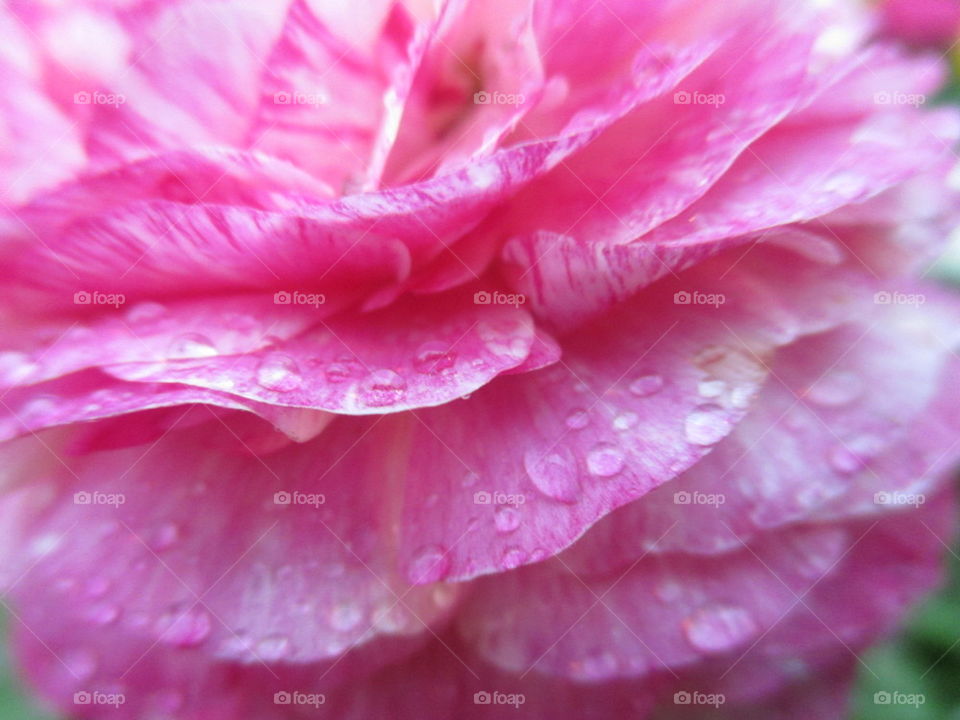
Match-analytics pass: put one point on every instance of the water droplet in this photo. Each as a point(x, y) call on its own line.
point(104, 613)
point(81, 663)
point(164, 536)
point(646, 385)
point(625, 421)
point(719, 628)
point(279, 372)
point(844, 460)
point(383, 387)
point(15, 367)
point(273, 648)
point(345, 616)
point(835, 389)
point(185, 628)
point(432, 358)
point(391, 618)
point(144, 311)
point(552, 475)
point(470, 479)
point(578, 419)
point(706, 425)
point(513, 557)
point(506, 519)
point(597, 666)
point(605, 461)
point(429, 564)
point(337, 372)
point(711, 388)
point(191, 345)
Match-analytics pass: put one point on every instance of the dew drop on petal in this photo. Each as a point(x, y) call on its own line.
point(432, 358)
point(430, 563)
point(336, 372)
point(273, 648)
point(506, 519)
point(646, 385)
point(184, 628)
point(279, 372)
point(345, 616)
point(706, 425)
point(191, 345)
point(382, 388)
point(513, 557)
point(552, 475)
point(605, 461)
point(578, 419)
point(719, 628)
point(626, 421)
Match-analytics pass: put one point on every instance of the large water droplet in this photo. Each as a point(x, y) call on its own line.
point(429, 564)
point(191, 345)
point(506, 519)
point(273, 648)
point(337, 372)
point(432, 358)
point(706, 425)
point(552, 475)
point(279, 372)
point(578, 419)
point(164, 537)
point(646, 385)
point(513, 557)
point(605, 461)
point(345, 616)
point(835, 389)
point(719, 628)
point(184, 628)
point(383, 387)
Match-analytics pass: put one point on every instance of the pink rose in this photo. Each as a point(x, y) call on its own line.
point(557, 358)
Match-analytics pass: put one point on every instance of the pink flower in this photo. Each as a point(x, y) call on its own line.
point(922, 22)
point(377, 360)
